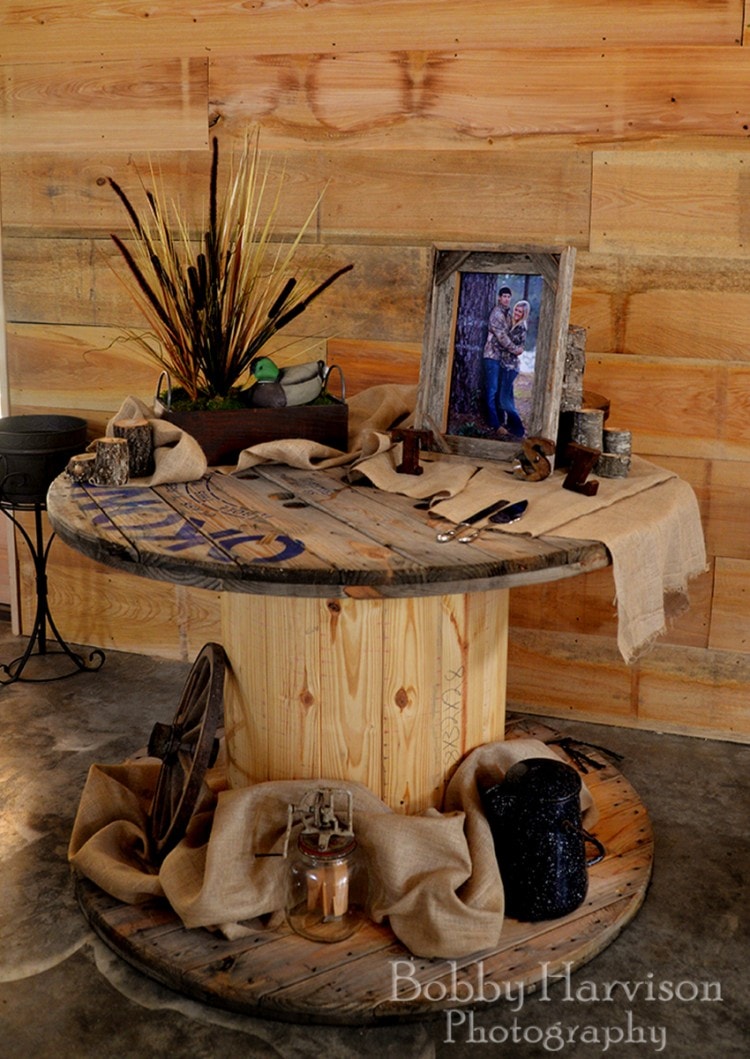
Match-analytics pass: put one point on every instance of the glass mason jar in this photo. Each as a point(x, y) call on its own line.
point(326, 888)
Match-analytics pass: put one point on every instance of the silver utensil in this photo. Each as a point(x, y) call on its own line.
point(448, 535)
point(510, 513)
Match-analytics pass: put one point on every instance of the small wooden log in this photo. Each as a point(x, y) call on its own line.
point(81, 467)
point(612, 465)
point(111, 463)
point(140, 439)
point(617, 441)
point(571, 396)
point(588, 424)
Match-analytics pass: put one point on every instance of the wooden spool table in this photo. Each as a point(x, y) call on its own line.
point(370, 978)
point(360, 648)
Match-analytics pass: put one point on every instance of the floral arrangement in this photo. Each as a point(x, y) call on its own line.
point(213, 303)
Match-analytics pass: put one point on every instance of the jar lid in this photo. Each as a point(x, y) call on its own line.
point(337, 846)
point(542, 777)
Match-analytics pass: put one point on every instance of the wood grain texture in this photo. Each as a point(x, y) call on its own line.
point(387, 693)
point(93, 605)
point(83, 29)
point(729, 629)
point(549, 673)
point(367, 362)
point(277, 974)
point(679, 689)
point(694, 202)
point(96, 368)
point(407, 98)
point(149, 105)
point(692, 690)
point(80, 282)
point(694, 408)
point(623, 135)
point(729, 513)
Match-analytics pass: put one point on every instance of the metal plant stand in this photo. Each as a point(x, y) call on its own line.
point(33, 451)
point(38, 642)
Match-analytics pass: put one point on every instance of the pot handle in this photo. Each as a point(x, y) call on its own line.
point(331, 368)
point(164, 377)
point(601, 851)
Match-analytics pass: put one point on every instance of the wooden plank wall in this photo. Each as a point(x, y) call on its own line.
point(619, 128)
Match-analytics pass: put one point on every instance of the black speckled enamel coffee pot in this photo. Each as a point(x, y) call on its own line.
point(535, 818)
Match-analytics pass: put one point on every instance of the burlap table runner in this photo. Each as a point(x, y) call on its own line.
point(655, 539)
point(433, 877)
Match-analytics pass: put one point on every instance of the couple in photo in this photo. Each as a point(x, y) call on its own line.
point(505, 343)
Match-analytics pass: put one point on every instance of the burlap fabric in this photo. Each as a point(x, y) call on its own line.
point(655, 539)
point(433, 877)
point(177, 456)
point(371, 453)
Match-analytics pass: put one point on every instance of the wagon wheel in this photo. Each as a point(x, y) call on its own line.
point(187, 748)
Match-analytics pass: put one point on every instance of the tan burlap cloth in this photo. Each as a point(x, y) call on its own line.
point(649, 521)
point(177, 456)
point(433, 877)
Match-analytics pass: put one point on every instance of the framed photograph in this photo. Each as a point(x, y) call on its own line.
point(494, 346)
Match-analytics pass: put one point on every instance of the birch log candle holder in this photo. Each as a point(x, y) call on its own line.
point(614, 461)
point(588, 426)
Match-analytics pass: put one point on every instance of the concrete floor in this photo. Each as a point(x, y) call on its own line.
point(65, 994)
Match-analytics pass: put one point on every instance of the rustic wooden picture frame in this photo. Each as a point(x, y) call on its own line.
point(440, 396)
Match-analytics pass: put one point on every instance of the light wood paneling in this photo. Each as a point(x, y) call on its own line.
point(686, 690)
point(149, 105)
point(682, 323)
point(623, 131)
point(727, 532)
point(399, 99)
point(95, 368)
point(367, 363)
point(586, 606)
point(730, 629)
point(76, 29)
point(549, 673)
point(95, 605)
point(73, 282)
point(671, 689)
point(693, 407)
point(663, 305)
point(680, 203)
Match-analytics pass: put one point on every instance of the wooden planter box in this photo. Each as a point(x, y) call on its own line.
point(224, 434)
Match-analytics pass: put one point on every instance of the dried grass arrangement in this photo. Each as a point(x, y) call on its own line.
point(213, 302)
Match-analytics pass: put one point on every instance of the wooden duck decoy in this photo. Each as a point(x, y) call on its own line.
point(285, 387)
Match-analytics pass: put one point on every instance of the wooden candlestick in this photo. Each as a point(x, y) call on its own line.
point(139, 436)
point(111, 463)
point(81, 467)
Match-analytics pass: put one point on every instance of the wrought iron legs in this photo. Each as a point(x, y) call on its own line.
point(38, 641)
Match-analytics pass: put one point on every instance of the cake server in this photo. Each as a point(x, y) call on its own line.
point(510, 513)
point(448, 535)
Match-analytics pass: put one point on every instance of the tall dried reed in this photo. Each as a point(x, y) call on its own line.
point(213, 302)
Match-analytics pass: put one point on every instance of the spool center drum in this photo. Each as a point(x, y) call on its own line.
point(34, 450)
